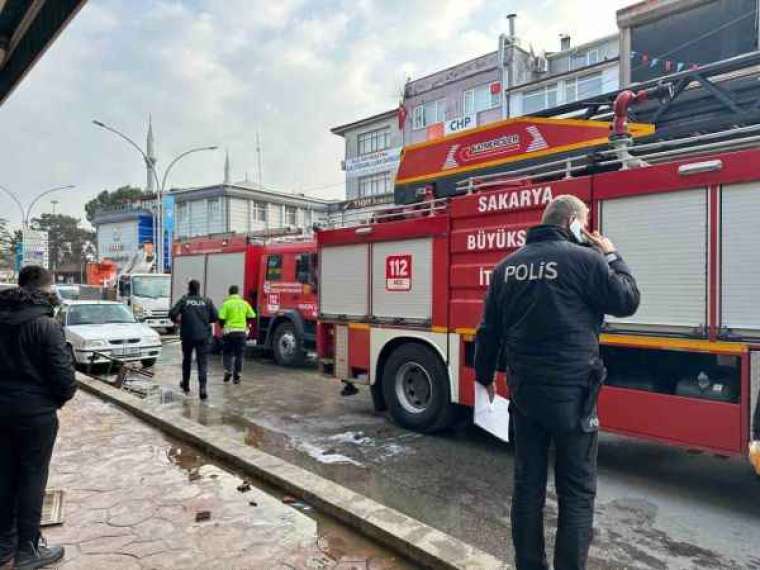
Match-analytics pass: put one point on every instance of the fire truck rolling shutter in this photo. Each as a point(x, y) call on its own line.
point(663, 238)
point(185, 268)
point(223, 270)
point(344, 283)
point(414, 303)
point(741, 258)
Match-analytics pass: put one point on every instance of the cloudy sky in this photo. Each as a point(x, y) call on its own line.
point(213, 72)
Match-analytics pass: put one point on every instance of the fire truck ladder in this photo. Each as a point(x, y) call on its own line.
point(710, 98)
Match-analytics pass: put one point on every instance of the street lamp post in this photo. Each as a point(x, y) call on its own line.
point(26, 213)
point(150, 163)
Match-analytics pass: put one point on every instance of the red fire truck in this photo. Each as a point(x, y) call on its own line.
point(401, 297)
point(277, 276)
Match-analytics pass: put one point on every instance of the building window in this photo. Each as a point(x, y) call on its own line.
point(584, 58)
point(481, 98)
point(291, 216)
point(584, 87)
point(183, 213)
point(374, 141)
point(540, 99)
point(429, 114)
point(260, 211)
point(375, 184)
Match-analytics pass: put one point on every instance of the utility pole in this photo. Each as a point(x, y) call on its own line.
point(258, 157)
point(54, 203)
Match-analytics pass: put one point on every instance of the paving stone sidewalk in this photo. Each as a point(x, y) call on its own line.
point(132, 495)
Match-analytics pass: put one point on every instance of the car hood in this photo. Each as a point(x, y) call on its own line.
point(111, 331)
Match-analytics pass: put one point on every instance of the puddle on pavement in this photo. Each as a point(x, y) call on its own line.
point(339, 546)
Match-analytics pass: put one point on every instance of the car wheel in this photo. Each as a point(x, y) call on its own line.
point(416, 389)
point(287, 345)
point(148, 362)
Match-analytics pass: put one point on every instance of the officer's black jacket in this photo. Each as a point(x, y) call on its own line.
point(196, 315)
point(545, 307)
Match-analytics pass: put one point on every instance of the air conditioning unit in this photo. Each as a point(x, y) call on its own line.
point(540, 64)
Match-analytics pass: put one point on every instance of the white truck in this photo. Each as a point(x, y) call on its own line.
point(147, 295)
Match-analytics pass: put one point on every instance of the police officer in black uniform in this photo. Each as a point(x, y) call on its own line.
point(195, 314)
point(543, 314)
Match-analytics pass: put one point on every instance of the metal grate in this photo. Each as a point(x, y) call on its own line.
point(52, 508)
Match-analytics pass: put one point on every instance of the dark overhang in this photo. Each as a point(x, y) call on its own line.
point(27, 28)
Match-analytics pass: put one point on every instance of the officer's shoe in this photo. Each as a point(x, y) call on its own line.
point(185, 387)
point(236, 380)
point(31, 556)
point(227, 376)
point(202, 393)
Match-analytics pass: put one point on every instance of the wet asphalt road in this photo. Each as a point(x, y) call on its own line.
point(657, 507)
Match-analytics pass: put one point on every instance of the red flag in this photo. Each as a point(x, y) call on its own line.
point(495, 88)
point(402, 113)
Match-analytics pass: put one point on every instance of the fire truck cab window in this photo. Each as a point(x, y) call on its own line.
point(306, 268)
point(274, 268)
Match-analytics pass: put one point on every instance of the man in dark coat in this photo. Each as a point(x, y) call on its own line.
point(544, 311)
point(195, 314)
point(36, 379)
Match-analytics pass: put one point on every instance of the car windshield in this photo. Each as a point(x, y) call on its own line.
point(99, 314)
point(152, 287)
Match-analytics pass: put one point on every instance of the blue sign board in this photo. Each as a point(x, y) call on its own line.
point(168, 207)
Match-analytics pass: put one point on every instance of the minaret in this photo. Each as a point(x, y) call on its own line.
point(227, 167)
point(150, 151)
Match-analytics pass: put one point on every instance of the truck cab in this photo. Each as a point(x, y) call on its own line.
point(147, 295)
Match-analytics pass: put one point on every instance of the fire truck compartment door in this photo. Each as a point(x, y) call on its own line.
point(741, 258)
point(663, 239)
point(344, 280)
point(185, 268)
point(402, 279)
point(223, 270)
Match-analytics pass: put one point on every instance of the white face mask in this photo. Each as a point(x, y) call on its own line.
point(577, 230)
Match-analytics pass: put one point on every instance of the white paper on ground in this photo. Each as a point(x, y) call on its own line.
point(491, 416)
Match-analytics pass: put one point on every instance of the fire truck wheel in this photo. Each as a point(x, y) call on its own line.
point(287, 346)
point(416, 389)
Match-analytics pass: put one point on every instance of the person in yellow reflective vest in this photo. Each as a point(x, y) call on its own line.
point(234, 315)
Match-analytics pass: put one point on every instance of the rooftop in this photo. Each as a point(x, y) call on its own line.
point(339, 130)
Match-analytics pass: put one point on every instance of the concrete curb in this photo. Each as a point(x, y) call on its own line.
point(419, 542)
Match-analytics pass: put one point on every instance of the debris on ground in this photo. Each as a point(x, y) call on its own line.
point(244, 487)
point(253, 503)
point(201, 516)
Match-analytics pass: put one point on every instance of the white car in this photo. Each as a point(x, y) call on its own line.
point(97, 328)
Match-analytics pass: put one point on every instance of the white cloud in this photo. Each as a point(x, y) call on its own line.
point(216, 71)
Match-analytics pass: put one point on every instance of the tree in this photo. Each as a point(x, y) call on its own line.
point(7, 251)
point(107, 199)
point(67, 242)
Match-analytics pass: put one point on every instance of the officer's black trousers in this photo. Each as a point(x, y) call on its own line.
point(26, 445)
point(201, 357)
point(575, 479)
